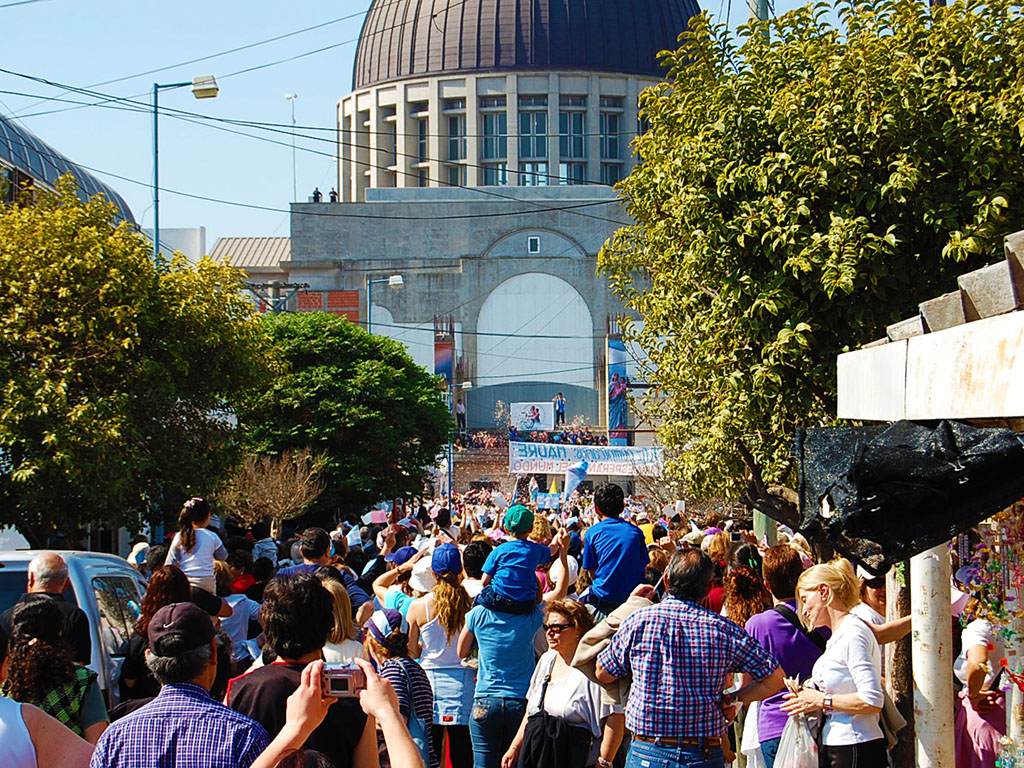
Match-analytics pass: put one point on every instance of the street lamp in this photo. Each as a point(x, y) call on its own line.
point(451, 443)
point(395, 281)
point(203, 87)
point(292, 97)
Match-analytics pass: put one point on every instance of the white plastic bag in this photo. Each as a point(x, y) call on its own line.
point(797, 748)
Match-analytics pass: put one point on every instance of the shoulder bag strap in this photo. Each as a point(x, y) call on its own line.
point(790, 615)
point(544, 688)
point(412, 693)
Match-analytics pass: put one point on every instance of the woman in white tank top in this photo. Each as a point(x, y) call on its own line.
point(435, 621)
point(16, 748)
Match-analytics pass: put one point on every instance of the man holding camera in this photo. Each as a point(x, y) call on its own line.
point(297, 616)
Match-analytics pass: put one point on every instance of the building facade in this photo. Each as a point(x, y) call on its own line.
point(476, 157)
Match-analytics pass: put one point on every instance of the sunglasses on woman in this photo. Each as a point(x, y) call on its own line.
point(556, 629)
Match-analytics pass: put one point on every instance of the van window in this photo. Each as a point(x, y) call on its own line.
point(118, 601)
point(13, 585)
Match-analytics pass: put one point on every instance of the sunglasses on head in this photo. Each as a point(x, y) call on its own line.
point(557, 628)
point(876, 583)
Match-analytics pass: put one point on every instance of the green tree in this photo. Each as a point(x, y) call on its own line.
point(803, 186)
point(358, 400)
point(117, 374)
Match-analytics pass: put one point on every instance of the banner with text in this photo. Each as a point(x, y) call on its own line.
point(545, 458)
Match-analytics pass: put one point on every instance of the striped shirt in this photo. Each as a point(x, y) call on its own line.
point(679, 655)
point(423, 695)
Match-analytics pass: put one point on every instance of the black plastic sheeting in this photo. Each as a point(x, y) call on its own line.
point(881, 494)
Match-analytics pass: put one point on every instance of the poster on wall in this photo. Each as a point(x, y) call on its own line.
point(532, 417)
point(618, 389)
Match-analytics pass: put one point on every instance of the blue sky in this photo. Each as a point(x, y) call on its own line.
point(85, 42)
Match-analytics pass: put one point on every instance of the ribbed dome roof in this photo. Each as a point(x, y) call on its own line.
point(409, 38)
point(22, 149)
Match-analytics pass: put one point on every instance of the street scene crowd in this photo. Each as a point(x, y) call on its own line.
point(477, 633)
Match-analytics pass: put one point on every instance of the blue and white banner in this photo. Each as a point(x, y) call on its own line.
point(574, 475)
point(612, 460)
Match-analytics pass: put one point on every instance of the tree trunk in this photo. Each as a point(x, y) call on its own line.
point(898, 672)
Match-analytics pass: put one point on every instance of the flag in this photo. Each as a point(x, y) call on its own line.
point(554, 486)
point(574, 475)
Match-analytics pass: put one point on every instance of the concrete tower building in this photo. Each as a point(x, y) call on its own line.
point(476, 154)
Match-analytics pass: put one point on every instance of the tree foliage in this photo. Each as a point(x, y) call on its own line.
point(117, 374)
point(273, 488)
point(804, 185)
point(360, 400)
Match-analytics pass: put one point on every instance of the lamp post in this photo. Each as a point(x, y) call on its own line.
point(395, 281)
point(203, 87)
point(292, 97)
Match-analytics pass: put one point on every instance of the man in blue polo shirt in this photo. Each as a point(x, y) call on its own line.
point(614, 552)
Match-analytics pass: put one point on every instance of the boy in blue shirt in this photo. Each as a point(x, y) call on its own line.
point(510, 579)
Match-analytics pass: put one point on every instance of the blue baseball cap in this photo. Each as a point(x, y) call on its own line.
point(446, 558)
point(401, 555)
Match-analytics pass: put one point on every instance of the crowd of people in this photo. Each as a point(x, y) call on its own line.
point(488, 634)
point(482, 440)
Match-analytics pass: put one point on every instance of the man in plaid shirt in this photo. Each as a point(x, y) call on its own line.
point(679, 655)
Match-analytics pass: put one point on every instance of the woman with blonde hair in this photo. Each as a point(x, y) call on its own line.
point(846, 681)
point(342, 643)
point(435, 621)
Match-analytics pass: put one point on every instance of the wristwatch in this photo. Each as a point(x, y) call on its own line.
point(827, 704)
point(604, 763)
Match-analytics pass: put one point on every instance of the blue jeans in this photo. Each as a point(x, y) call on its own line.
point(492, 727)
point(769, 749)
point(643, 754)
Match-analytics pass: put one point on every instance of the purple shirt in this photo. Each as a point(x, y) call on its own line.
point(796, 654)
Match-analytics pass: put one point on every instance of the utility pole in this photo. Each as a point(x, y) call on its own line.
point(295, 194)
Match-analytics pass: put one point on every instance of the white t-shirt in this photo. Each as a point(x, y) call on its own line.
point(346, 650)
point(197, 564)
point(236, 626)
point(574, 698)
point(980, 632)
point(869, 614)
point(851, 663)
point(472, 587)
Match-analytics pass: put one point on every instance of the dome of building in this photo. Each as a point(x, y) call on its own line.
point(23, 150)
point(411, 38)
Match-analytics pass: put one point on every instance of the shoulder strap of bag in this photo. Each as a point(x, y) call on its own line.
point(544, 688)
point(790, 615)
point(412, 693)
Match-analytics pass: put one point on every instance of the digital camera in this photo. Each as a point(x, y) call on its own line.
point(342, 679)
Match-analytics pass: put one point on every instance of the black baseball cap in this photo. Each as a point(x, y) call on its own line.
point(179, 628)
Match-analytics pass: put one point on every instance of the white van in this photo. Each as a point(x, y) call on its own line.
point(106, 587)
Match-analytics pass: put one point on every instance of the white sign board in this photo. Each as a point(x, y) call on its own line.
point(616, 460)
point(533, 417)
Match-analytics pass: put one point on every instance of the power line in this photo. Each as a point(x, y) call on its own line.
point(199, 118)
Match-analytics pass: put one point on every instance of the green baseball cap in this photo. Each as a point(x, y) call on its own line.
point(518, 519)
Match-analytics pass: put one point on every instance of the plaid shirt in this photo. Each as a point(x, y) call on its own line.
point(679, 655)
point(181, 728)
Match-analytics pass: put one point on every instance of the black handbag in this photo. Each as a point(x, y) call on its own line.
point(551, 742)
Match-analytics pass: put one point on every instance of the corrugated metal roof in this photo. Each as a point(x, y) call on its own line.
point(253, 252)
point(408, 38)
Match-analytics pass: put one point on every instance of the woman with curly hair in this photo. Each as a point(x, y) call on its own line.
point(167, 585)
point(41, 672)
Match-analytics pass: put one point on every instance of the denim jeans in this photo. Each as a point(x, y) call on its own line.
point(643, 754)
point(492, 727)
point(769, 749)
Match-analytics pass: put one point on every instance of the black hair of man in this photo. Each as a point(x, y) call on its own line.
point(260, 531)
point(444, 518)
point(659, 532)
point(652, 575)
point(473, 558)
point(155, 557)
point(315, 543)
point(262, 568)
point(609, 500)
point(297, 615)
point(688, 576)
point(241, 560)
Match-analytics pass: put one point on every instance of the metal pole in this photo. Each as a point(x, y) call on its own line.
point(451, 447)
point(295, 194)
point(369, 305)
point(932, 658)
point(156, 175)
